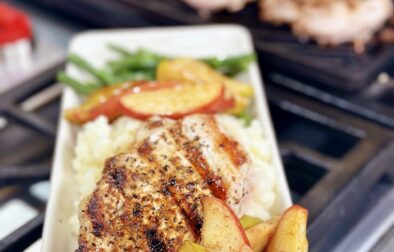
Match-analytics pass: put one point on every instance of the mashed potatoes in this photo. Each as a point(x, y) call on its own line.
point(98, 140)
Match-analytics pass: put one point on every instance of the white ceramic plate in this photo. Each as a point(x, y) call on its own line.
point(199, 41)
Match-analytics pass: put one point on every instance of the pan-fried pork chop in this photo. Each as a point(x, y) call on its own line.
point(149, 199)
point(329, 21)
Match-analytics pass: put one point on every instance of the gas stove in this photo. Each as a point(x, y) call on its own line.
point(336, 147)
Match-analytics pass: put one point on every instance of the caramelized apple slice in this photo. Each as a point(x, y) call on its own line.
point(197, 72)
point(221, 229)
point(189, 246)
point(105, 101)
point(174, 102)
point(290, 235)
point(143, 99)
point(260, 234)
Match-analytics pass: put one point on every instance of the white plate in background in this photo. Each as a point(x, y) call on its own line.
point(192, 41)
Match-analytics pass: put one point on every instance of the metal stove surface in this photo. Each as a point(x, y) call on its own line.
point(341, 172)
point(25, 153)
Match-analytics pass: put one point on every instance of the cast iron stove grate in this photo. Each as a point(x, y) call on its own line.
point(26, 149)
point(338, 67)
point(332, 166)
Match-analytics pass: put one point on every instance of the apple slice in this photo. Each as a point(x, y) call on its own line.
point(221, 229)
point(290, 235)
point(197, 72)
point(143, 99)
point(105, 101)
point(174, 102)
point(248, 221)
point(111, 107)
point(189, 246)
point(260, 234)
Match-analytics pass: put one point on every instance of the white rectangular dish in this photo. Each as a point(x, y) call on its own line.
point(196, 42)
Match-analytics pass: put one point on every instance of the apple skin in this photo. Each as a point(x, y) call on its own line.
point(112, 102)
point(197, 72)
point(109, 109)
point(218, 103)
point(222, 104)
point(221, 229)
point(105, 101)
point(112, 108)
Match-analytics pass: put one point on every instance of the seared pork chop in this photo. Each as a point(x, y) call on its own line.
point(149, 199)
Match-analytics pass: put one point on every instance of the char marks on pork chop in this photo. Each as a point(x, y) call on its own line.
point(149, 199)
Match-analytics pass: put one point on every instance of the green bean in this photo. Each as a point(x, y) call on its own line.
point(139, 60)
point(132, 64)
point(149, 57)
point(144, 59)
point(246, 117)
point(120, 50)
point(141, 65)
point(83, 88)
point(232, 65)
point(145, 52)
point(140, 52)
point(103, 76)
point(137, 75)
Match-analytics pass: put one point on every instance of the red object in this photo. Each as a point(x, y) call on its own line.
point(217, 104)
point(112, 103)
point(14, 25)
